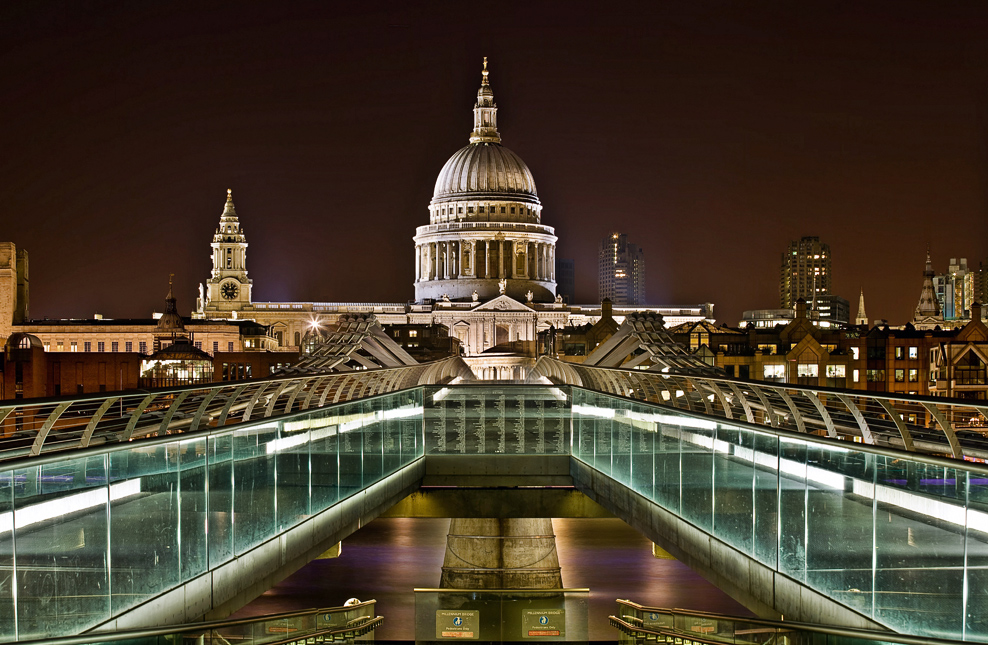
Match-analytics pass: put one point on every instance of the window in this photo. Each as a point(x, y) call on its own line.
point(875, 376)
point(480, 209)
point(836, 371)
point(60, 346)
point(143, 346)
point(129, 346)
point(47, 346)
point(198, 344)
point(914, 352)
point(808, 370)
point(100, 346)
point(900, 353)
point(216, 347)
point(87, 346)
point(229, 346)
point(74, 347)
point(115, 346)
point(856, 353)
point(900, 376)
point(502, 209)
point(774, 372)
point(413, 333)
point(856, 376)
point(914, 375)
point(512, 210)
point(970, 370)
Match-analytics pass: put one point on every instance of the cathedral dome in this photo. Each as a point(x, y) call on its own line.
point(484, 170)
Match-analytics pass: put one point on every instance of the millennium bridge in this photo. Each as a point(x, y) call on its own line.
point(842, 507)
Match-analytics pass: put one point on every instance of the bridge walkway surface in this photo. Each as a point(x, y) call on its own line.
point(168, 525)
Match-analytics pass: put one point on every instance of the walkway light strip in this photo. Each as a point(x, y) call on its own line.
point(36, 513)
point(919, 504)
point(353, 422)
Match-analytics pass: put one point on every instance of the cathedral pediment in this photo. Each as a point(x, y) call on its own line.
point(504, 303)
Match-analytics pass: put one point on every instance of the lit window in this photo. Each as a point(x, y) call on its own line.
point(855, 376)
point(900, 353)
point(836, 371)
point(914, 375)
point(47, 346)
point(808, 370)
point(900, 376)
point(855, 354)
point(413, 333)
point(914, 352)
point(774, 372)
point(60, 346)
point(74, 347)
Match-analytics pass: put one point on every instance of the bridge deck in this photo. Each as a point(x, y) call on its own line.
point(895, 538)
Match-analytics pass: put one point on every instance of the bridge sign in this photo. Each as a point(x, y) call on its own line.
point(461, 623)
point(539, 623)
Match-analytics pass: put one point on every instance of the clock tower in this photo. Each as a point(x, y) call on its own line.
point(228, 288)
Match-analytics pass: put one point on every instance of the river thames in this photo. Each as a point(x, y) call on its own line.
point(388, 558)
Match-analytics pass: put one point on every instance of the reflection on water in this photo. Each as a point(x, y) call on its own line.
point(387, 558)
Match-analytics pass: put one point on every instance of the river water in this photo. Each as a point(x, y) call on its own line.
point(388, 558)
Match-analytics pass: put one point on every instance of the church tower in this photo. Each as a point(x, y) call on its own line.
point(228, 287)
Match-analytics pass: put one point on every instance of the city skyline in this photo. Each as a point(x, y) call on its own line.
point(711, 134)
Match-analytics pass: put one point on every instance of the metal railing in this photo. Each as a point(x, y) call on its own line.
point(310, 626)
point(32, 427)
point(924, 424)
point(641, 624)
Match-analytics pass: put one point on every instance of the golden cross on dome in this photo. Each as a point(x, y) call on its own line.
point(485, 71)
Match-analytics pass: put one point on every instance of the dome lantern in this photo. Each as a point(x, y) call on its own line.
point(485, 113)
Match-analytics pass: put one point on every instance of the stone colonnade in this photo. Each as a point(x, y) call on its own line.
point(450, 259)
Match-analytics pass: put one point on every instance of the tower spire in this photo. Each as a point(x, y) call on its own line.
point(862, 318)
point(485, 113)
point(928, 305)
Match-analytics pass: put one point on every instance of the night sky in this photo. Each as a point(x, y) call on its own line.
point(712, 133)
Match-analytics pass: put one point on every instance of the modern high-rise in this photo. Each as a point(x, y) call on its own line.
point(621, 271)
point(805, 272)
point(955, 290)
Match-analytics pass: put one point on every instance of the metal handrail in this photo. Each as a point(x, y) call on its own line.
point(187, 628)
point(32, 427)
point(915, 423)
point(786, 625)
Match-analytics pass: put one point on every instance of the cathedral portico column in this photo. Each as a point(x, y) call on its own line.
point(418, 262)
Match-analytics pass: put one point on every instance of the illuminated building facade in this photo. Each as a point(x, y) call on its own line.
point(621, 271)
point(805, 272)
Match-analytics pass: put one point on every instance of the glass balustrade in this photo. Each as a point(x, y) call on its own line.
point(83, 539)
point(900, 538)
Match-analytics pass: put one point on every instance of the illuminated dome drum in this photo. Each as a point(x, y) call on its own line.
point(485, 232)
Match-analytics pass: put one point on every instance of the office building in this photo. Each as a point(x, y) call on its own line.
point(621, 271)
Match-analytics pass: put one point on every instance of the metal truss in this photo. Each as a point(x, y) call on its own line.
point(931, 425)
point(33, 427)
